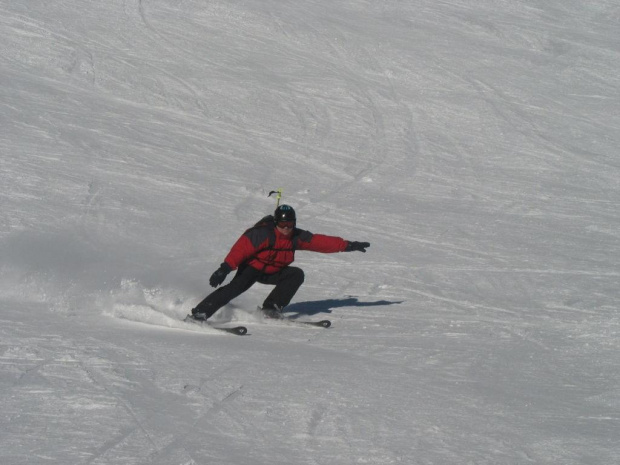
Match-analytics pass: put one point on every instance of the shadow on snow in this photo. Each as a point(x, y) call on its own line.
point(325, 306)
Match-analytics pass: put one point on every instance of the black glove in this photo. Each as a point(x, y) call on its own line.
point(353, 246)
point(219, 275)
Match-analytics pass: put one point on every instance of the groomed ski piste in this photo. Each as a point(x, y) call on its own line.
point(474, 144)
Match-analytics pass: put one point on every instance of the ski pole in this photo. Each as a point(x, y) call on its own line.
point(278, 196)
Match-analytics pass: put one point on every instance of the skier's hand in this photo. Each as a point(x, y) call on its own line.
point(354, 246)
point(219, 275)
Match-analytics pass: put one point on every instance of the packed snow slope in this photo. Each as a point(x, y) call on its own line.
point(473, 143)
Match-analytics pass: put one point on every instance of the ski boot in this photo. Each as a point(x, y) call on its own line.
point(197, 316)
point(272, 311)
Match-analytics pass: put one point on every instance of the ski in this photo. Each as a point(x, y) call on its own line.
point(238, 330)
point(278, 316)
point(321, 324)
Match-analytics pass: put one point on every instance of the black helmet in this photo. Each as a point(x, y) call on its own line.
point(284, 213)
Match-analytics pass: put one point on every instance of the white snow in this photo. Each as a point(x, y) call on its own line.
point(474, 144)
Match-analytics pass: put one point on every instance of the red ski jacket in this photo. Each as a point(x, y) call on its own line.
point(268, 250)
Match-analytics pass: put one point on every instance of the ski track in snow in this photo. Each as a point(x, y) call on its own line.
point(474, 144)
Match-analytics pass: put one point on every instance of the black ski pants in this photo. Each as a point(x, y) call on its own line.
point(286, 282)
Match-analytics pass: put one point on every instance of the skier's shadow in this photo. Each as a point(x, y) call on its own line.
point(325, 306)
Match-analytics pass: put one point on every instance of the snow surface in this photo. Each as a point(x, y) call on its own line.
point(474, 144)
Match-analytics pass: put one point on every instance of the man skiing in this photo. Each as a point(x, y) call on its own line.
point(264, 254)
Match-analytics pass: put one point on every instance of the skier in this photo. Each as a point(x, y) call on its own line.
point(264, 254)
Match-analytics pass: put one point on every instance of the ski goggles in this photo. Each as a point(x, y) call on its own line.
point(286, 224)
